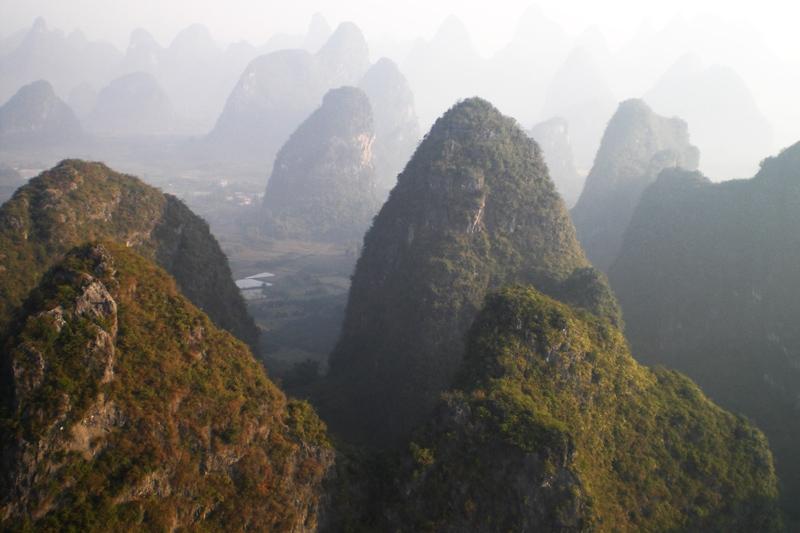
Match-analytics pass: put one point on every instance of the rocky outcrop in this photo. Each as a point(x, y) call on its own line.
point(636, 146)
point(129, 407)
point(396, 125)
point(553, 138)
point(78, 201)
point(323, 182)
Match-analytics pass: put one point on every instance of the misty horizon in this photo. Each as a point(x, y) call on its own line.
point(349, 266)
point(704, 32)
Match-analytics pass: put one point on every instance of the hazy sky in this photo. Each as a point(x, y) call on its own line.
point(489, 21)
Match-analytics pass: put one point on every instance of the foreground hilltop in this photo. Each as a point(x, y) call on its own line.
point(554, 427)
point(125, 408)
point(79, 201)
point(709, 283)
point(473, 210)
point(636, 146)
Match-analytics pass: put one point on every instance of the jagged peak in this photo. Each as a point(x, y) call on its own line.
point(344, 96)
point(347, 38)
point(636, 110)
point(634, 106)
point(469, 119)
point(534, 25)
point(471, 105)
point(141, 38)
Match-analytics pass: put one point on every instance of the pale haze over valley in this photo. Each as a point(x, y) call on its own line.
point(633, 45)
point(427, 266)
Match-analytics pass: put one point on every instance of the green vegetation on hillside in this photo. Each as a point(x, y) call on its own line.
point(554, 427)
point(127, 409)
point(77, 201)
point(473, 210)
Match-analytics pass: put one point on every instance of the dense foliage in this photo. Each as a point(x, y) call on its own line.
point(126, 409)
point(708, 278)
point(323, 182)
point(636, 146)
point(473, 210)
point(78, 201)
point(554, 427)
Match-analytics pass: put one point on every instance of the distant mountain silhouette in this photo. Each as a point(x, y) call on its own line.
point(63, 60)
point(279, 90)
point(580, 93)
point(726, 122)
point(36, 118)
point(134, 104)
point(396, 125)
point(636, 146)
point(553, 137)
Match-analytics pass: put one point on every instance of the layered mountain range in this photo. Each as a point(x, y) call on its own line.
point(483, 364)
point(323, 184)
point(636, 146)
point(707, 276)
point(277, 91)
point(78, 201)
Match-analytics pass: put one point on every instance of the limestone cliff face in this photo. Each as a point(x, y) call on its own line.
point(124, 407)
point(708, 279)
point(396, 124)
point(553, 426)
point(323, 182)
point(78, 201)
point(474, 209)
point(636, 146)
point(553, 137)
